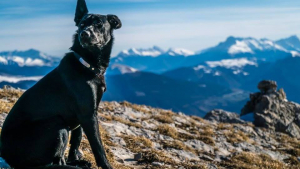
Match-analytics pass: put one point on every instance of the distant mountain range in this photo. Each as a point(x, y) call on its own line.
point(194, 82)
point(26, 63)
point(156, 60)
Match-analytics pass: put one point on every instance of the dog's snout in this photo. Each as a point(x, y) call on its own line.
point(85, 34)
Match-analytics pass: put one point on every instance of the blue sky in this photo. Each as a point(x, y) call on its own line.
point(192, 24)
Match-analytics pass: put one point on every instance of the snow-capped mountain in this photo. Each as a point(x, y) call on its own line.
point(152, 59)
point(18, 64)
point(179, 52)
point(29, 58)
point(236, 45)
point(291, 43)
point(116, 69)
point(235, 65)
point(153, 52)
point(262, 49)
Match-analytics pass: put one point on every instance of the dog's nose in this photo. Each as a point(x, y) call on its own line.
point(85, 34)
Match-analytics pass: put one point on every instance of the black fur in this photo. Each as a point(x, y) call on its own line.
point(36, 131)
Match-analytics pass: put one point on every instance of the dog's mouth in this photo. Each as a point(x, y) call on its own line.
point(87, 43)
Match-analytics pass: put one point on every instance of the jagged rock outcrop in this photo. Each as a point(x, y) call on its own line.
point(272, 110)
point(223, 116)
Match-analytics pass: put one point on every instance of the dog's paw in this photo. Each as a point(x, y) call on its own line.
point(80, 163)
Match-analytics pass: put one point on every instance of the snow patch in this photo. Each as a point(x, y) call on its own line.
point(217, 73)
point(35, 62)
point(239, 47)
point(153, 52)
point(199, 67)
point(28, 62)
point(124, 69)
point(230, 63)
point(295, 54)
point(20, 61)
point(180, 52)
point(3, 60)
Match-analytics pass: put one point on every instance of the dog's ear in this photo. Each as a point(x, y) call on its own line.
point(114, 21)
point(81, 11)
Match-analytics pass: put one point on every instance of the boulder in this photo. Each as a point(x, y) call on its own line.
point(271, 109)
point(223, 117)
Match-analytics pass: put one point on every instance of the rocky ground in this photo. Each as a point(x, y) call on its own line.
point(138, 136)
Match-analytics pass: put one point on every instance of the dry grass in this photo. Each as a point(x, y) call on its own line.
point(164, 118)
point(88, 155)
point(86, 148)
point(187, 165)
point(107, 106)
point(207, 131)
point(106, 117)
point(167, 130)
point(140, 108)
point(224, 126)
point(137, 144)
point(129, 123)
point(293, 161)
point(9, 98)
point(153, 155)
point(246, 160)
point(168, 113)
point(10, 94)
point(199, 119)
point(5, 106)
point(288, 141)
point(177, 145)
point(236, 136)
point(205, 136)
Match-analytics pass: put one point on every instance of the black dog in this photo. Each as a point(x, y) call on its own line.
point(36, 131)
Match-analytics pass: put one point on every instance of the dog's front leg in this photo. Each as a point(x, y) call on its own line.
point(91, 128)
point(74, 153)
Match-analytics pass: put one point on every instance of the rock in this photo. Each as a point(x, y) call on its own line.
point(293, 130)
point(120, 160)
point(223, 116)
point(200, 146)
point(157, 164)
point(2, 118)
point(211, 166)
point(205, 157)
point(271, 109)
point(138, 156)
point(8, 87)
point(118, 141)
point(266, 86)
point(183, 155)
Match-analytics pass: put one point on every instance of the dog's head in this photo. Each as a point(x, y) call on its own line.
point(94, 30)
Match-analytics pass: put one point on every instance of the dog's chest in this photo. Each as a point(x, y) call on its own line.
point(97, 87)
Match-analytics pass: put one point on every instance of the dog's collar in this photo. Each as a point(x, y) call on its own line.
point(98, 72)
